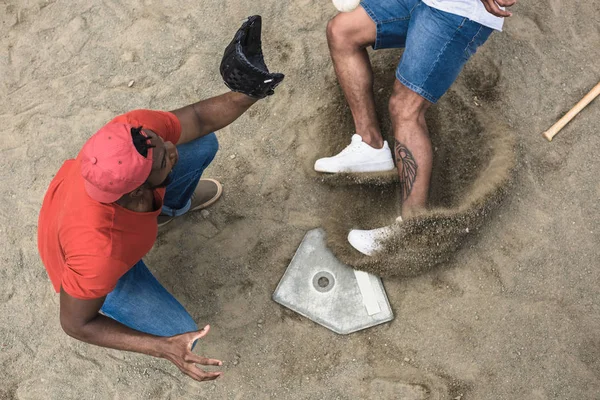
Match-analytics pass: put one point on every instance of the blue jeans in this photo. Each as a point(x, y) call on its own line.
point(436, 44)
point(139, 301)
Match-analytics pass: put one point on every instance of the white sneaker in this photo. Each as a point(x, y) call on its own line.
point(371, 241)
point(358, 157)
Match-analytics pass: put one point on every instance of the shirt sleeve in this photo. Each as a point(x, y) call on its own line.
point(91, 277)
point(163, 123)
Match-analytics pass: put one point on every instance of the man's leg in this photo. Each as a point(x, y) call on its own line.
point(348, 35)
point(412, 147)
point(438, 44)
point(194, 157)
point(377, 23)
point(140, 302)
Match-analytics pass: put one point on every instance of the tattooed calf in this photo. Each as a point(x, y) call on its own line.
point(407, 169)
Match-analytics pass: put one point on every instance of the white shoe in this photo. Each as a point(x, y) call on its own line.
point(371, 241)
point(358, 157)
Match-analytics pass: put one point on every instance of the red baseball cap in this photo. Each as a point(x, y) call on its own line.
point(111, 165)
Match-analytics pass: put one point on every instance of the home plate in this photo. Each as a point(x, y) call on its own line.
point(321, 288)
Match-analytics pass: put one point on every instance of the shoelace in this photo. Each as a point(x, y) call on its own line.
point(351, 148)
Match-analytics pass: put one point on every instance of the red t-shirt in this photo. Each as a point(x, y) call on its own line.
point(86, 246)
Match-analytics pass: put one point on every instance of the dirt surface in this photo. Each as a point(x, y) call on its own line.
point(514, 314)
point(475, 165)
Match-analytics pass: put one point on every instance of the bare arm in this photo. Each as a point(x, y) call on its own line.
point(210, 115)
point(80, 319)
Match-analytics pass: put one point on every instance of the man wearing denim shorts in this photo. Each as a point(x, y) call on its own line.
point(439, 36)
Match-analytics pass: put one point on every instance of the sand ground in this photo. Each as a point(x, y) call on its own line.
point(514, 315)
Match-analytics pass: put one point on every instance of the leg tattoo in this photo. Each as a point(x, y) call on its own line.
point(407, 169)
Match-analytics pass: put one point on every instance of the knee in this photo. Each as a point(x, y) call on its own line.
point(211, 143)
point(407, 106)
point(198, 153)
point(206, 148)
point(334, 30)
point(339, 31)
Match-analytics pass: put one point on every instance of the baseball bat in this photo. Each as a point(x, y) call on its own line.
point(587, 99)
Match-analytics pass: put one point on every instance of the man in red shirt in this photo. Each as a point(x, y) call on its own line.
point(101, 213)
point(99, 218)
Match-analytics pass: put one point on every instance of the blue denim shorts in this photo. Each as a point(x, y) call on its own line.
point(436, 44)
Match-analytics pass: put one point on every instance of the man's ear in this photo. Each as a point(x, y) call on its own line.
point(137, 192)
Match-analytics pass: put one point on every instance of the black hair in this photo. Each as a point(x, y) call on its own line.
point(141, 142)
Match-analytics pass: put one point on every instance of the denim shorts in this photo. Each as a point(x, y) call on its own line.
point(436, 44)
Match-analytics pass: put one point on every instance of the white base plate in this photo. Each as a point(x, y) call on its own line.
point(318, 286)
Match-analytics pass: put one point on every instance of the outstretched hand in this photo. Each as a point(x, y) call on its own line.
point(492, 6)
point(179, 351)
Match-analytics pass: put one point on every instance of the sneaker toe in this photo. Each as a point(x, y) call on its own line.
point(362, 241)
point(323, 165)
point(207, 193)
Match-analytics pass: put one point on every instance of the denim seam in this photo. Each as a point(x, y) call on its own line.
point(377, 23)
point(176, 212)
point(388, 21)
point(369, 11)
point(445, 13)
point(195, 171)
point(380, 23)
point(413, 8)
point(409, 16)
point(417, 89)
point(471, 42)
point(442, 50)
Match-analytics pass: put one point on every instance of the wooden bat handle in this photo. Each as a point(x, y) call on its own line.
point(587, 99)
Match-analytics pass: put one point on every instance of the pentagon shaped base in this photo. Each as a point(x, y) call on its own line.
point(321, 288)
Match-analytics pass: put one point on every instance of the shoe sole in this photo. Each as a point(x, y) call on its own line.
point(367, 167)
point(214, 199)
point(165, 223)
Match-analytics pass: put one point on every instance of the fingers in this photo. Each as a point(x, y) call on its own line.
point(506, 3)
point(192, 359)
point(492, 7)
point(200, 375)
point(196, 359)
point(190, 368)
